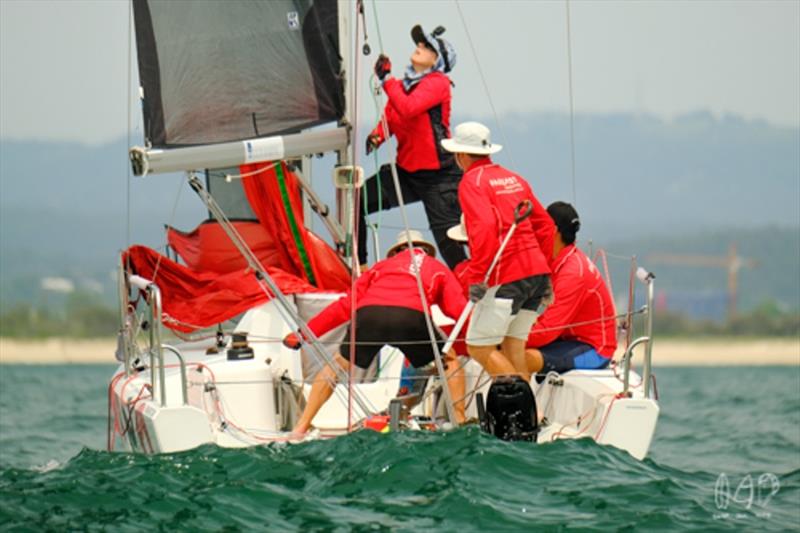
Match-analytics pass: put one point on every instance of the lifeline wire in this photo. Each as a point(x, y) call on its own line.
point(393, 342)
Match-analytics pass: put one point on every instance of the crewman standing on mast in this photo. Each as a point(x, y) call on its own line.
point(418, 115)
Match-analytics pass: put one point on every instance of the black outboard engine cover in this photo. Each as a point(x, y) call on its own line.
point(511, 410)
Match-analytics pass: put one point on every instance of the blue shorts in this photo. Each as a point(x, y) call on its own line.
point(561, 356)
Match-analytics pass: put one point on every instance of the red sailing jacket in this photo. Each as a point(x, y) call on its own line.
point(581, 295)
point(419, 119)
point(392, 282)
point(489, 194)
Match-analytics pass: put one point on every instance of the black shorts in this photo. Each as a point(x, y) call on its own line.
point(438, 192)
point(527, 293)
point(378, 325)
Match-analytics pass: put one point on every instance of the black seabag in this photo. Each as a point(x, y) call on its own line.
point(511, 410)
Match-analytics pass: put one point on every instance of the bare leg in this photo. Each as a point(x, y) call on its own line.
point(534, 360)
point(321, 391)
point(491, 360)
point(456, 384)
point(514, 350)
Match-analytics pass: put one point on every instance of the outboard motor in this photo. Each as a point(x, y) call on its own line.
point(510, 412)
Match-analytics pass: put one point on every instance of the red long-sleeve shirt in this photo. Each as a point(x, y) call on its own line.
point(392, 282)
point(489, 194)
point(581, 295)
point(419, 119)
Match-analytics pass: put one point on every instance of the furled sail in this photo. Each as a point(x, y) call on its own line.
point(215, 71)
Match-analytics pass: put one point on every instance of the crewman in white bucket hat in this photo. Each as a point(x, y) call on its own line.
point(389, 308)
point(519, 285)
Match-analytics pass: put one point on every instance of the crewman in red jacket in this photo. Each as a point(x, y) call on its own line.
point(418, 115)
point(579, 329)
point(389, 308)
point(519, 285)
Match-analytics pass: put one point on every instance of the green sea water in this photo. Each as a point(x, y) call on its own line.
point(719, 427)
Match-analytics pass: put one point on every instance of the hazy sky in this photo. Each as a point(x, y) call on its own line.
point(64, 64)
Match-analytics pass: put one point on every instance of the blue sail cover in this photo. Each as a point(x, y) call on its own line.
point(219, 71)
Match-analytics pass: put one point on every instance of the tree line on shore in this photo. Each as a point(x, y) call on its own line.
point(83, 316)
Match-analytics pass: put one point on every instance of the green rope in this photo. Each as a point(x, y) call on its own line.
point(298, 241)
point(375, 226)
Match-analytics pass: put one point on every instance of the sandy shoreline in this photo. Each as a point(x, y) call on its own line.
point(667, 352)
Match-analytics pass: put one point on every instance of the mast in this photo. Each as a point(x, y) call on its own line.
point(345, 52)
point(346, 176)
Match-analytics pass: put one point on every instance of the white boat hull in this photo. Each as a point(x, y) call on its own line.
point(237, 403)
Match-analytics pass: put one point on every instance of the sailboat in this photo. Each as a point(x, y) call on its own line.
point(240, 95)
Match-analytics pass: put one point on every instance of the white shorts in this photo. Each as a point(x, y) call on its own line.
point(492, 321)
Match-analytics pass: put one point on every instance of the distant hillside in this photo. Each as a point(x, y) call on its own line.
point(638, 174)
point(63, 212)
point(687, 182)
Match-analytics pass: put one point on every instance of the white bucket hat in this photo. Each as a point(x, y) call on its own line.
point(416, 238)
point(458, 233)
point(471, 138)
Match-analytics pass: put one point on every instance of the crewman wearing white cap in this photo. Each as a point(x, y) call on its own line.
point(519, 287)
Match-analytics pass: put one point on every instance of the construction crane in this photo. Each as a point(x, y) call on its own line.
point(732, 262)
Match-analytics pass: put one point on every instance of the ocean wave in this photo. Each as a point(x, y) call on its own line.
point(462, 480)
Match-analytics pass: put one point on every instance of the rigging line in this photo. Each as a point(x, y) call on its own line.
point(571, 106)
point(418, 276)
point(355, 219)
point(128, 107)
point(231, 177)
point(416, 271)
point(631, 299)
point(171, 223)
point(376, 227)
point(601, 254)
point(625, 258)
point(503, 136)
point(393, 227)
point(377, 25)
point(268, 286)
point(374, 85)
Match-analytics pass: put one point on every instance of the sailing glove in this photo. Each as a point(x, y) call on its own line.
point(477, 291)
point(383, 67)
point(292, 341)
point(373, 141)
